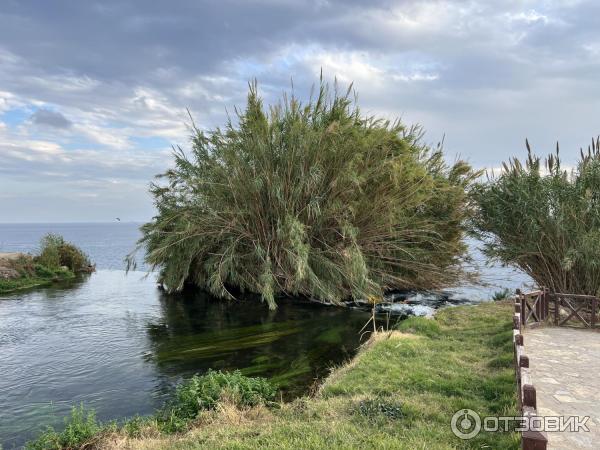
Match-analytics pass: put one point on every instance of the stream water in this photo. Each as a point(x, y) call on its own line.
point(117, 344)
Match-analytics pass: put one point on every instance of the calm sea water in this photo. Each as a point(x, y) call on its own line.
point(107, 244)
point(117, 344)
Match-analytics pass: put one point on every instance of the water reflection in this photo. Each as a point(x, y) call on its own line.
point(119, 345)
point(293, 345)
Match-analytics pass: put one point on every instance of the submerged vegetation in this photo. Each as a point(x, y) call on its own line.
point(309, 199)
point(401, 391)
point(57, 260)
point(545, 219)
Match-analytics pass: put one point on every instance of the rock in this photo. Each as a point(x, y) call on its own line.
point(7, 273)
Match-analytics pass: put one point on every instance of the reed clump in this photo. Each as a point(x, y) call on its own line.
point(310, 199)
point(545, 219)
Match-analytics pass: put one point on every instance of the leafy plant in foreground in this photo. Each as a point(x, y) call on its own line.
point(201, 393)
point(545, 220)
point(311, 199)
point(81, 427)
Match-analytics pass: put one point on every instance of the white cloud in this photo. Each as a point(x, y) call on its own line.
point(485, 74)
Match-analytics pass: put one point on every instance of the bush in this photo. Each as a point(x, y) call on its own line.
point(502, 295)
point(56, 252)
point(545, 220)
point(312, 199)
point(80, 428)
point(204, 392)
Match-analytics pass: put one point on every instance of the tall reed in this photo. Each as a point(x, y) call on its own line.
point(308, 198)
point(545, 219)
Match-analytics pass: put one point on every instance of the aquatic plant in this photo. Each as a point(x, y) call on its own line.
point(545, 219)
point(401, 391)
point(308, 198)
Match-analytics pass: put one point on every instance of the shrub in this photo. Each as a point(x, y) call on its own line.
point(23, 264)
point(80, 428)
point(545, 220)
point(501, 295)
point(49, 253)
point(201, 393)
point(56, 252)
point(312, 199)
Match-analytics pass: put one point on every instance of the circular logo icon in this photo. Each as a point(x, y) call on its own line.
point(466, 424)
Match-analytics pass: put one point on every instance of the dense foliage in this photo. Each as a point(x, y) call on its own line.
point(545, 220)
point(56, 252)
point(312, 199)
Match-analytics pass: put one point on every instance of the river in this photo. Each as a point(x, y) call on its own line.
point(117, 344)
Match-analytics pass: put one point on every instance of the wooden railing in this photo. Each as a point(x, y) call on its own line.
point(533, 439)
point(534, 309)
point(573, 310)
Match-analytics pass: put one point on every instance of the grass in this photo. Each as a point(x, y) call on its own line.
point(33, 275)
point(399, 392)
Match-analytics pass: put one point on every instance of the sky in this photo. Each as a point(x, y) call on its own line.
point(93, 94)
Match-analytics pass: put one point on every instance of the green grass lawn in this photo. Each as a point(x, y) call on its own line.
point(400, 392)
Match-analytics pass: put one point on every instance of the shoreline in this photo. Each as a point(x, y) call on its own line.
point(399, 391)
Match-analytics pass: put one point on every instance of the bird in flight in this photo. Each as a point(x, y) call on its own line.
point(118, 219)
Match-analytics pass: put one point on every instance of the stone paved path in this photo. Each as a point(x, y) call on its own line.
point(565, 368)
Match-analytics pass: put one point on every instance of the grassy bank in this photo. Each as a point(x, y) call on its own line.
point(58, 260)
point(33, 275)
point(401, 391)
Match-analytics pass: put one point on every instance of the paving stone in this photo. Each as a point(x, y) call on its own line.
point(565, 370)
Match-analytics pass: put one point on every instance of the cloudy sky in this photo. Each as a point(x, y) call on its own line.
point(94, 93)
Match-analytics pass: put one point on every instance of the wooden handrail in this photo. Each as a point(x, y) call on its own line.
point(527, 398)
